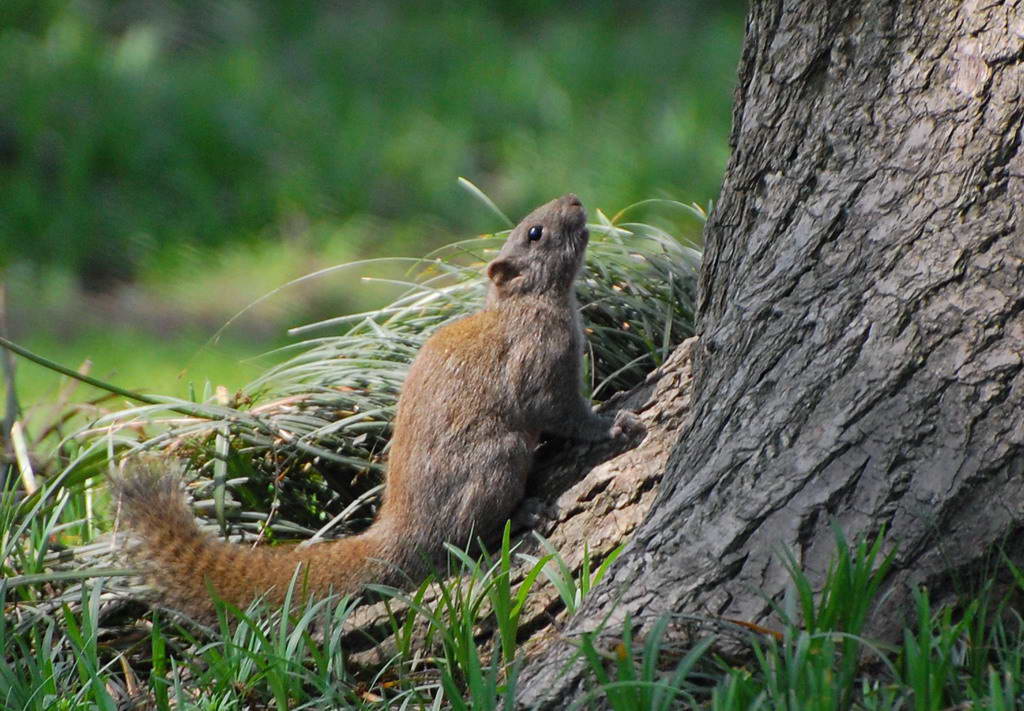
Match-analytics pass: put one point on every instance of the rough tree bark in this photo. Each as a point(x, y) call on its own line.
point(861, 321)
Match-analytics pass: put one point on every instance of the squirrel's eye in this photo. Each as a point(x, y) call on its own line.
point(535, 233)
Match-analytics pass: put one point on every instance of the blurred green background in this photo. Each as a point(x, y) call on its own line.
point(164, 164)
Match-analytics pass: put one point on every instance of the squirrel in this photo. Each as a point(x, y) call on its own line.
point(476, 399)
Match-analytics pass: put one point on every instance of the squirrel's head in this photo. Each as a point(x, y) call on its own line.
point(544, 252)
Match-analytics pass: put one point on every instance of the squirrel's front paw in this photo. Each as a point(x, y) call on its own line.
point(627, 425)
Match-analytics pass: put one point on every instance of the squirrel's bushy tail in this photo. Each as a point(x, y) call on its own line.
point(185, 564)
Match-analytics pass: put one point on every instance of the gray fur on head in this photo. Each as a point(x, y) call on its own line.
point(543, 253)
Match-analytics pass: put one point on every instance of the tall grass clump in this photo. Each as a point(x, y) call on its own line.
point(321, 418)
point(320, 421)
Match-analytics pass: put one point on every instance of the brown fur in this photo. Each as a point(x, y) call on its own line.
point(478, 395)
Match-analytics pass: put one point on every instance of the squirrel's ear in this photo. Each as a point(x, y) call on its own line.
point(501, 271)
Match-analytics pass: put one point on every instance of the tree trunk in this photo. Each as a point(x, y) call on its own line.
point(861, 327)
